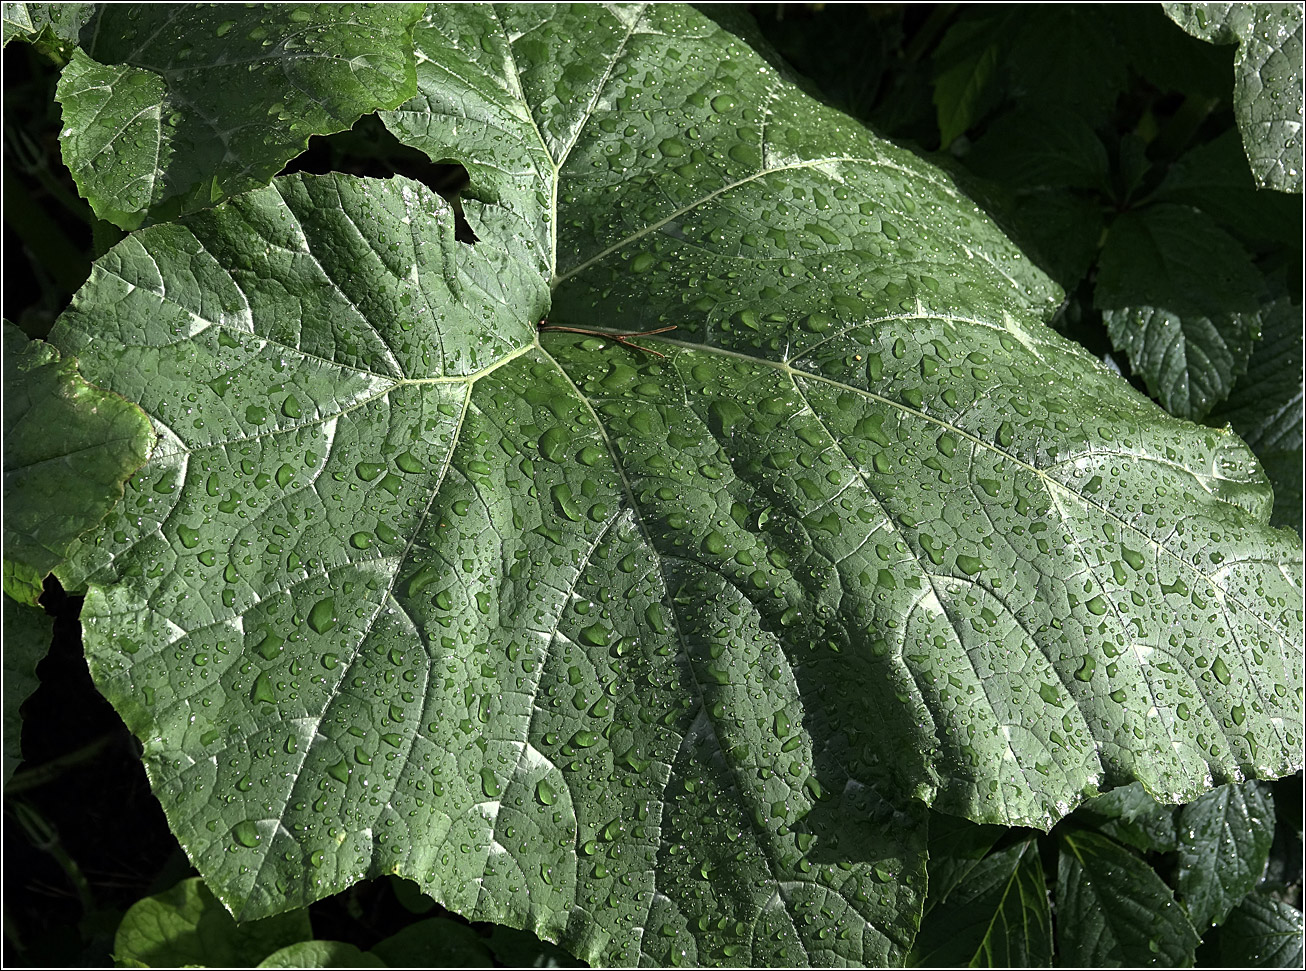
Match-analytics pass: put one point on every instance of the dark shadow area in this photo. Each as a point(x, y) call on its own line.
point(369, 150)
point(84, 837)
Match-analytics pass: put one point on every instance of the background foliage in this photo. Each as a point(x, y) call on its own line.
point(1124, 179)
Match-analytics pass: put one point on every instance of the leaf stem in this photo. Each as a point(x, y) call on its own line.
point(619, 338)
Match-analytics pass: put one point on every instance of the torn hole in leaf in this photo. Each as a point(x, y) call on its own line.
point(370, 150)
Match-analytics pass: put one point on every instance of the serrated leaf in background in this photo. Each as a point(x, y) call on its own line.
point(68, 449)
point(1129, 815)
point(186, 927)
point(1030, 148)
point(1224, 842)
point(1266, 408)
point(670, 641)
point(1262, 932)
point(956, 847)
point(1268, 74)
point(27, 635)
point(1114, 911)
point(1182, 299)
point(168, 108)
point(998, 917)
point(1214, 177)
point(323, 954)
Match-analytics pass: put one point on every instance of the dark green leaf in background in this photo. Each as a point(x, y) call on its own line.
point(1214, 177)
point(1067, 56)
point(1170, 58)
point(966, 64)
point(1262, 932)
point(1224, 842)
point(171, 107)
point(998, 917)
point(187, 926)
point(436, 942)
point(68, 448)
point(27, 634)
point(956, 847)
point(1129, 815)
point(1180, 297)
point(321, 954)
point(1039, 147)
point(1266, 408)
point(1268, 74)
point(1114, 911)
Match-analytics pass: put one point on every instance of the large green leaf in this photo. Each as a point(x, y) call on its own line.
point(68, 449)
point(171, 107)
point(645, 653)
point(1268, 74)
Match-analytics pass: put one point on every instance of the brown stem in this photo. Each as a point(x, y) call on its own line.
point(623, 339)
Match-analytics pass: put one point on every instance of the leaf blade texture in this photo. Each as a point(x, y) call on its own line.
point(1224, 843)
point(169, 109)
point(69, 447)
point(601, 616)
point(1114, 910)
point(998, 917)
point(1268, 72)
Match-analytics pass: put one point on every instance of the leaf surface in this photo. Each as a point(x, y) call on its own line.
point(667, 640)
point(1181, 298)
point(997, 918)
point(1266, 408)
point(1262, 932)
point(169, 108)
point(321, 954)
point(68, 448)
point(1224, 843)
point(1268, 74)
point(1114, 911)
point(186, 927)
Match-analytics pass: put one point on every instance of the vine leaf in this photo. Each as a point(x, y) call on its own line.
point(69, 447)
point(1268, 72)
point(167, 109)
point(657, 657)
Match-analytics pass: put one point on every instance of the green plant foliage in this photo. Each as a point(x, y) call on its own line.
point(1224, 843)
point(998, 917)
point(168, 108)
point(1181, 297)
point(27, 632)
point(666, 640)
point(1262, 932)
point(186, 926)
point(1129, 815)
point(1266, 408)
point(1267, 79)
point(689, 537)
point(68, 448)
point(321, 954)
point(1114, 911)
